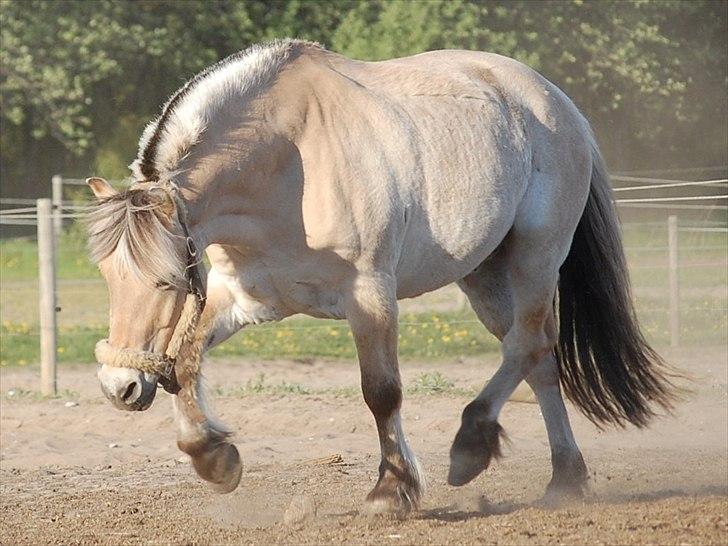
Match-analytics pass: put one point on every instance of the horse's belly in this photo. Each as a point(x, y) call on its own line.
point(442, 250)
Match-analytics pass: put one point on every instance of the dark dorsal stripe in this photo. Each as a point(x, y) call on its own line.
point(149, 155)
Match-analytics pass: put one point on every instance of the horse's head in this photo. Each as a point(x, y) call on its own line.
point(139, 240)
point(140, 248)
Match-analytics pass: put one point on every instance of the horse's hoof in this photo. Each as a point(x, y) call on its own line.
point(557, 497)
point(477, 441)
point(396, 500)
point(570, 480)
point(384, 507)
point(564, 492)
point(465, 466)
point(388, 506)
point(221, 466)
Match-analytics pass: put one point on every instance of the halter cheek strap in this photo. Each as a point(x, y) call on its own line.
point(183, 341)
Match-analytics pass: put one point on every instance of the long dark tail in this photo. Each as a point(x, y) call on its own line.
point(606, 366)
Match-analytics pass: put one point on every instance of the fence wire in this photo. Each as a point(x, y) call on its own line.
point(703, 262)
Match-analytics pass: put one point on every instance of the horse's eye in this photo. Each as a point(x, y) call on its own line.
point(162, 285)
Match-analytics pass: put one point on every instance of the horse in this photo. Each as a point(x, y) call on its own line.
point(332, 187)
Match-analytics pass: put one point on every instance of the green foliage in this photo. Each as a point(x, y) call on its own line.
point(629, 65)
point(424, 336)
point(80, 79)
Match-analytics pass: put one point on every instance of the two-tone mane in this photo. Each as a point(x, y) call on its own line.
point(167, 139)
point(131, 223)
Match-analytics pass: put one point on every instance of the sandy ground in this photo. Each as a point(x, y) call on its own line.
point(90, 474)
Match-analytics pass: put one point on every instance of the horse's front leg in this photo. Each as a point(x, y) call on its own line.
point(199, 433)
point(372, 314)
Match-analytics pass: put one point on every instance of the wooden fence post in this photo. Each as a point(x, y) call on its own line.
point(47, 299)
point(57, 196)
point(672, 243)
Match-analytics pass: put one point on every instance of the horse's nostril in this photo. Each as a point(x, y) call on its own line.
point(129, 391)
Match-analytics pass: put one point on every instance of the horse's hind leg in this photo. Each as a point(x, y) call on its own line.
point(490, 293)
point(569, 473)
point(372, 315)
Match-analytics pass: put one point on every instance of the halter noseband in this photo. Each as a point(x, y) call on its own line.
point(163, 364)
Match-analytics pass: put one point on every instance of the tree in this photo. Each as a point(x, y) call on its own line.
point(630, 66)
point(78, 79)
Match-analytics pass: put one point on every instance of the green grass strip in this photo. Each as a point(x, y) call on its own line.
point(423, 336)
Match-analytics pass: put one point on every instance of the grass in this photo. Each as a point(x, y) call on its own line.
point(427, 384)
point(19, 344)
point(19, 258)
point(259, 386)
point(430, 383)
point(647, 253)
point(424, 335)
point(19, 393)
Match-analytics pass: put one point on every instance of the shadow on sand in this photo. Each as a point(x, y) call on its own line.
point(483, 508)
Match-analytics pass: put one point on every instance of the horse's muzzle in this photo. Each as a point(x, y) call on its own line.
point(127, 389)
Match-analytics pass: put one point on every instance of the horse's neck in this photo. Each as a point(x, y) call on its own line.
point(227, 181)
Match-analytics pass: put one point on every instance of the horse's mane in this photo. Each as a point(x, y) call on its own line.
point(168, 139)
point(132, 226)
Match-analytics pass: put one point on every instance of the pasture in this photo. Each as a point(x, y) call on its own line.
point(76, 470)
point(434, 326)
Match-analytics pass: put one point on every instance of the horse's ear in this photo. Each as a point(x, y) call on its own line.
point(164, 201)
point(101, 188)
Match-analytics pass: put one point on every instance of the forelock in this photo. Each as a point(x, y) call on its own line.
point(144, 242)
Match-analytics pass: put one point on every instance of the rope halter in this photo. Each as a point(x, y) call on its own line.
point(184, 334)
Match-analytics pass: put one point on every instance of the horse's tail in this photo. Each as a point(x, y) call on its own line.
point(606, 366)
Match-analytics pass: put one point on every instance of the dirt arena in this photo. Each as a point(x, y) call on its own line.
point(89, 474)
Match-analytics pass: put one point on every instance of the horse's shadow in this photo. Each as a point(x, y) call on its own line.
point(652, 496)
point(485, 508)
point(455, 513)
